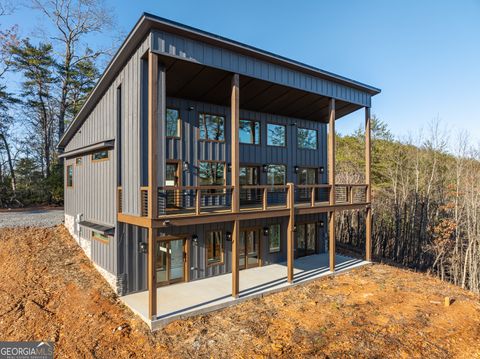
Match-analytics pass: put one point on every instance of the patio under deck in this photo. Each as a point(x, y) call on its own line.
point(182, 300)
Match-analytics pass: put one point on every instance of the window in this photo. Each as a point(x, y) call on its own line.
point(212, 127)
point(69, 176)
point(274, 238)
point(78, 161)
point(173, 123)
point(276, 135)
point(100, 237)
point(250, 132)
point(276, 174)
point(214, 243)
point(307, 139)
point(211, 173)
point(100, 155)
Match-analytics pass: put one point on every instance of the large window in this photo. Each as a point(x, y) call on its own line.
point(307, 139)
point(100, 155)
point(69, 176)
point(173, 123)
point(100, 237)
point(214, 244)
point(276, 135)
point(276, 175)
point(211, 173)
point(212, 127)
point(274, 238)
point(250, 132)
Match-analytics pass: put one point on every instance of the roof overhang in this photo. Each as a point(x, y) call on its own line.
point(149, 22)
point(98, 227)
point(88, 149)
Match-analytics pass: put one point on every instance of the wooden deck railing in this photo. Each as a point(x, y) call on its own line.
point(196, 200)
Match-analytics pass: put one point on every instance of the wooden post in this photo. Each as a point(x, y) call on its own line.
point(235, 127)
point(235, 180)
point(290, 231)
point(312, 197)
point(235, 258)
point(152, 180)
point(198, 201)
point(331, 182)
point(368, 195)
point(264, 199)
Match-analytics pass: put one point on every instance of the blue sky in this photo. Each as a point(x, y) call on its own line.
point(424, 55)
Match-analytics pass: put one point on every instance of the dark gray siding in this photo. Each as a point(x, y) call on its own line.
point(205, 54)
point(189, 148)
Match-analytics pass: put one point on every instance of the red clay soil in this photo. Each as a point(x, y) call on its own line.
point(50, 291)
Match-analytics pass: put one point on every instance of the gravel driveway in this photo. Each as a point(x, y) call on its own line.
point(31, 218)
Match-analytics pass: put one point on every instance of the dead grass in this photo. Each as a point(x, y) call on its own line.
point(50, 291)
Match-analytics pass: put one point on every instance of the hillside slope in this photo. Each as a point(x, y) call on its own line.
point(49, 291)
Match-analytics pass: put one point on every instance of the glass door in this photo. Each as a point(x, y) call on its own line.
point(170, 262)
point(306, 239)
point(306, 176)
point(249, 248)
point(172, 179)
point(249, 176)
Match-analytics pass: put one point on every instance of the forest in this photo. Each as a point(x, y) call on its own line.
point(426, 195)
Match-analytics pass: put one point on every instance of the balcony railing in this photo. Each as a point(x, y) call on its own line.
point(196, 200)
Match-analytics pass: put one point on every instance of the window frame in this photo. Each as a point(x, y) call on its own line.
point(212, 161)
point(259, 133)
point(285, 174)
point(279, 239)
point(101, 159)
point(68, 176)
point(77, 162)
point(222, 249)
point(179, 123)
point(285, 137)
point(199, 138)
point(316, 139)
point(100, 237)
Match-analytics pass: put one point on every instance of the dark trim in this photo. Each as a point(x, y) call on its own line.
point(104, 145)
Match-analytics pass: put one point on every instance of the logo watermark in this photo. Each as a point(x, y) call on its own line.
point(26, 350)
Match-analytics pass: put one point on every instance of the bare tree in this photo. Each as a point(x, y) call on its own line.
point(73, 20)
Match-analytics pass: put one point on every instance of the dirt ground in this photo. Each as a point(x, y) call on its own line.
point(50, 291)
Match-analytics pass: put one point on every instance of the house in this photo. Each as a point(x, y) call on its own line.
point(196, 156)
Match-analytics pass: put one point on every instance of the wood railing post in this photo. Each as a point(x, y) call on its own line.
point(198, 201)
point(331, 182)
point(290, 231)
point(312, 197)
point(368, 194)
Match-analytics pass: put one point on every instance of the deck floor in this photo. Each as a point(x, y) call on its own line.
point(181, 300)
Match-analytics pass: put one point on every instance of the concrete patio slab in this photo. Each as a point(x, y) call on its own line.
point(182, 300)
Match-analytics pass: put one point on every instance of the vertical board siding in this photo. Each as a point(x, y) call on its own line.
point(95, 183)
point(209, 55)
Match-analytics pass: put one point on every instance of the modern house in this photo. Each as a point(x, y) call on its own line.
point(196, 156)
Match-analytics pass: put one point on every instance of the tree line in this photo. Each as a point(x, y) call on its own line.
point(426, 201)
point(55, 74)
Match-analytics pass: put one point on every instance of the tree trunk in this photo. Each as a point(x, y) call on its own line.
point(10, 163)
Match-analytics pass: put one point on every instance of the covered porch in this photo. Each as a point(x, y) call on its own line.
point(182, 300)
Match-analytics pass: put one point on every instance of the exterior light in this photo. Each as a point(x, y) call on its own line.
point(295, 169)
point(228, 236)
point(229, 167)
point(265, 231)
point(194, 238)
point(186, 166)
point(142, 247)
point(322, 224)
point(321, 169)
point(191, 108)
point(265, 168)
point(294, 227)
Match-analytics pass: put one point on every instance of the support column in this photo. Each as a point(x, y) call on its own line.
point(235, 179)
point(155, 137)
point(368, 194)
point(290, 231)
point(331, 182)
